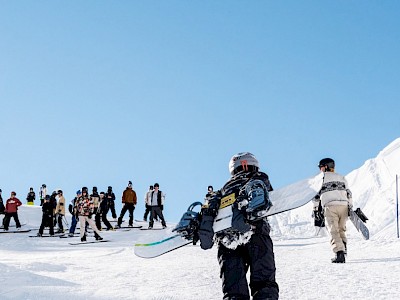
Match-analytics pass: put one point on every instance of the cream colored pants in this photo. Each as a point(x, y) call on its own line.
point(82, 222)
point(336, 218)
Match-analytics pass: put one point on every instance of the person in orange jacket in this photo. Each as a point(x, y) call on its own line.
point(129, 200)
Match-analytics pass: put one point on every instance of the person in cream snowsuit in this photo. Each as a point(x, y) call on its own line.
point(336, 200)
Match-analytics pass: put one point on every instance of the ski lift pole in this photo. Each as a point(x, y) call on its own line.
point(397, 205)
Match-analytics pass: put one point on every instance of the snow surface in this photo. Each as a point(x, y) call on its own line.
point(50, 268)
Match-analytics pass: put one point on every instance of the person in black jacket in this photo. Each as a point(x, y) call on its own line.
point(2, 207)
point(47, 217)
point(244, 242)
point(103, 211)
point(30, 198)
point(111, 204)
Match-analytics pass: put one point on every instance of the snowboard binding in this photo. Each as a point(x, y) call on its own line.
point(255, 201)
point(361, 215)
point(189, 223)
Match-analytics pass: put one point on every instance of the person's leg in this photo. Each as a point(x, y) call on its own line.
point(233, 273)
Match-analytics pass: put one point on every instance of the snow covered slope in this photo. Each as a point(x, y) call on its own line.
point(50, 268)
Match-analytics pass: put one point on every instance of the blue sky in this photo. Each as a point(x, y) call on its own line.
point(96, 93)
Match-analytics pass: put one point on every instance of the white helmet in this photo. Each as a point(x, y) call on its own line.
point(243, 161)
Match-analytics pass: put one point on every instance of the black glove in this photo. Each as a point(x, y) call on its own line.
point(195, 237)
point(206, 232)
point(162, 207)
point(318, 215)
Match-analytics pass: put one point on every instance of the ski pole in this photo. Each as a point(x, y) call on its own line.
point(65, 221)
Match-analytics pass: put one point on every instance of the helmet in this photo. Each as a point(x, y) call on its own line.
point(59, 192)
point(244, 161)
point(43, 185)
point(84, 189)
point(94, 189)
point(78, 192)
point(328, 162)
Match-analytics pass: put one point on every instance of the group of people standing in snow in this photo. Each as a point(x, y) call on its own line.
point(88, 209)
point(247, 245)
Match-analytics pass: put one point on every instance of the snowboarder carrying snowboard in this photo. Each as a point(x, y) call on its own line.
point(247, 244)
point(336, 200)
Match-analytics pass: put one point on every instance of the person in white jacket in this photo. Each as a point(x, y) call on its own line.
point(156, 203)
point(336, 200)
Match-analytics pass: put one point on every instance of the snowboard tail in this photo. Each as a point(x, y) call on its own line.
point(359, 224)
point(159, 247)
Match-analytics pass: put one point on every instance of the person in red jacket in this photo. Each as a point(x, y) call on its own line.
point(12, 211)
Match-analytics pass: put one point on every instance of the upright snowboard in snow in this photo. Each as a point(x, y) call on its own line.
point(281, 201)
point(359, 224)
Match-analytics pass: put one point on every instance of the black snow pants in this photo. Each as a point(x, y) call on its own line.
point(257, 255)
point(47, 221)
point(127, 207)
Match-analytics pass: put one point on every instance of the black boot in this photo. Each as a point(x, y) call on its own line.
point(98, 238)
point(345, 248)
point(83, 239)
point(339, 258)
